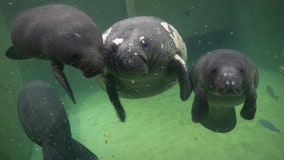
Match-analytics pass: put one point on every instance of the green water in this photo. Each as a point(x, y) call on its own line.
point(158, 127)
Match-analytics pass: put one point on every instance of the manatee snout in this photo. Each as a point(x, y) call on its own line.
point(229, 81)
point(92, 65)
point(132, 63)
point(92, 70)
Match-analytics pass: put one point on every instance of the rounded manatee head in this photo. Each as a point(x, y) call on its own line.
point(89, 61)
point(226, 72)
point(138, 46)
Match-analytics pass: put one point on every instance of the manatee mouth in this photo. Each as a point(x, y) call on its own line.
point(133, 63)
point(229, 91)
point(91, 71)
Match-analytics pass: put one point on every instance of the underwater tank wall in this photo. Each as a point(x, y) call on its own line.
point(252, 27)
point(14, 143)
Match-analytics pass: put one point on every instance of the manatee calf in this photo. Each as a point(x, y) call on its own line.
point(61, 34)
point(45, 122)
point(221, 80)
point(144, 56)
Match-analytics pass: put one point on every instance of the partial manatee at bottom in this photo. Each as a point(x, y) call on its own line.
point(45, 122)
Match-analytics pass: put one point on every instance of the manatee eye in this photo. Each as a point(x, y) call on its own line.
point(75, 56)
point(213, 71)
point(145, 45)
point(113, 48)
point(242, 72)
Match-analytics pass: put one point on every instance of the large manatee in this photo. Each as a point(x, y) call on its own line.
point(144, 56)
point(61, 34)
point(45, 122)
point(223, 79)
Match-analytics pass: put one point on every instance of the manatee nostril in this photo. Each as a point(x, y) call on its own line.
point(214, 71)
point(127, 63)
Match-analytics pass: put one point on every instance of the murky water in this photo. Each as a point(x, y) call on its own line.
point(158, 127)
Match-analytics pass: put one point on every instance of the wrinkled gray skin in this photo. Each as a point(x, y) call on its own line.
point(221, 80)
point(61, 34)
point(144, 56)
point(45, 122)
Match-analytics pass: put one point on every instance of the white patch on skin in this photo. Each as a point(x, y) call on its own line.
point(177, 39)
point(178, 58)
point(105, 34)
point(117, 41)
point(162, 46)
point(77, 35)
point(141, 39)
point(166, 26)
point(129, 47)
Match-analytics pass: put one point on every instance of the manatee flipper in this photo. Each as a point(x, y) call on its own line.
point(249, 107)
point(179, 66)
point(14, 53)
point(111, 83)
point(57, 68)
point(200, 108)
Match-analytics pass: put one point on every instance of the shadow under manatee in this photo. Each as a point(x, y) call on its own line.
point(220, 119)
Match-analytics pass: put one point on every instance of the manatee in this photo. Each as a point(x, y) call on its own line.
point(61, 34)
point(45, 122)
point(223, 79)
point(143, 56)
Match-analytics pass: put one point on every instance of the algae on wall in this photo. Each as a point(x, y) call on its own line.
point(14, 144)
point(189, 17)
point(260, 28)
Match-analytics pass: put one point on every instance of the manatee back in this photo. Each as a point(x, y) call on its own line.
point(41, 113)
point(52, 31)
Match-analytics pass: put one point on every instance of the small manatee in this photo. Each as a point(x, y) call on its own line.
point(223, 79)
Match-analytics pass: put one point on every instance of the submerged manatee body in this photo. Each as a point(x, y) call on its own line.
point(223, 79)
point(61, 34)
point(45, 122)
point(144, 56)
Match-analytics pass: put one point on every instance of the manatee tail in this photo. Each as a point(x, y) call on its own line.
point(14, 53)
point(67, 149)
point(61, 78)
